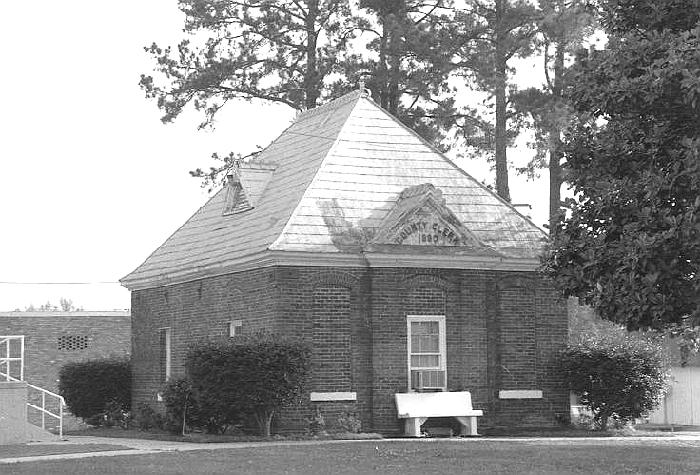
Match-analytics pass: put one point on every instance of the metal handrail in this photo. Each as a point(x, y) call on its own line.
point(44, 412)
point(7, 359)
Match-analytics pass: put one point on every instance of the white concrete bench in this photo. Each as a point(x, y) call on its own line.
point(416, 408)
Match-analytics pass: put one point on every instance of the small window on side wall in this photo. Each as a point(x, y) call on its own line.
point(234, 328)
point(164, 354)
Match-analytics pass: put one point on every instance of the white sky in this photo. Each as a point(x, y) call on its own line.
point(91, 182)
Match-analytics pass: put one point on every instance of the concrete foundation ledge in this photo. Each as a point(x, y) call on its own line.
point(333, 396)
point(520, 394)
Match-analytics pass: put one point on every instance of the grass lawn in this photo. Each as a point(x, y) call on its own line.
point(118, 433)
point(656, 456)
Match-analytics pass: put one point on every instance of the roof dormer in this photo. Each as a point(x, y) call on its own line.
point(236, 200)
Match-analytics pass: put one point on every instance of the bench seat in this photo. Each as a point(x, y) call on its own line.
point(416, 408)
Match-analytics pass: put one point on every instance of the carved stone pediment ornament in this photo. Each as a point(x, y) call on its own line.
point(421, 218)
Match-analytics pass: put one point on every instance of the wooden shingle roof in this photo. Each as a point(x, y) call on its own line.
point(327, 183)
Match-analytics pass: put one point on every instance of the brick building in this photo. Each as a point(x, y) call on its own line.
point(403, 272)
point(52, 339)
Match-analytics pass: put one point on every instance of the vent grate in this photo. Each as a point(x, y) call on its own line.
point(427, 379)
point(73, 342)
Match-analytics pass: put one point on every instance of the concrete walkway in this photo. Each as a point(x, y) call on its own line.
point(144, 447)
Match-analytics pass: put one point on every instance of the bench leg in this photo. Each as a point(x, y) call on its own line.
point(468, 425)
point(412, 426)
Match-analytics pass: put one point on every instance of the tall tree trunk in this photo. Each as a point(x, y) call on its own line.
point(382, 68)
point(555, 143)
point(395, 49)
point(394, 72)
point(264, 420)
point(311, 77)
point(500, 92)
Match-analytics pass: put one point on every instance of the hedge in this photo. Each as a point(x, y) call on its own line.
point(619, 378)
point(94, 388)
point(244, 377)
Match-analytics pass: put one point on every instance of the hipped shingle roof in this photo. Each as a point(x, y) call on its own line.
point(338, 168)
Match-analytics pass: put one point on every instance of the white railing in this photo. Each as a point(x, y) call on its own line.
point(6, 361)
point(58, 400)
point(12, 345)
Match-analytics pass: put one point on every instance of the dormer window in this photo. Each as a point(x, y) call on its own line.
point(235, 200)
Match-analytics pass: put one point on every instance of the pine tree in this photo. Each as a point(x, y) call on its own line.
point(562, 28)
point(494, 32)
point(412, 48)
point(253, 49)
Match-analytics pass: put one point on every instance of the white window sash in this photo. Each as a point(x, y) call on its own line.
point(442, 354)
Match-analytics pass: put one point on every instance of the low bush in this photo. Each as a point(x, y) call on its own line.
point(349, 422)
point(98, 391)
point(251, 376)
point(181, 407)
point(619, 378)
point(146, 418)
point(316, 424)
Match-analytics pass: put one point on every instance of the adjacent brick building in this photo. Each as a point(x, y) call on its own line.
point(52, 339)
point(402, 271)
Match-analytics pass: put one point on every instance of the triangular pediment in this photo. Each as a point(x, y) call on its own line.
point(421, 218)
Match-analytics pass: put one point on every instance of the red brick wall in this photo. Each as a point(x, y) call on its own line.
point(331, 348)
point(194, 311)
point(107, 336)
point(504, 330)
point(308, 296)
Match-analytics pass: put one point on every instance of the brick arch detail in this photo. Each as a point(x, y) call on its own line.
point(334, 279)
point(528, 283)
point(427, 280)
point(233, 291)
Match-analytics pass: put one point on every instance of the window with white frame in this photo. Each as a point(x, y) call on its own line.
point(165, 353)
point(426, 353)
point(234, 328)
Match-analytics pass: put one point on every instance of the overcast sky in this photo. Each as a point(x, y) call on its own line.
point(91, 182)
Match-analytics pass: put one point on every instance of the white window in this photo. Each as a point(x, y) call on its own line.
point(165, 353)
point(234, 327)
point(426, 352)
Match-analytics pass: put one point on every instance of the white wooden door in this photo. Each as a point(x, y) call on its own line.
point(682, 403)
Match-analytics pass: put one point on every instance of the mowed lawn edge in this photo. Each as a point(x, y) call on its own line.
point(406, 457)
point(35, 450)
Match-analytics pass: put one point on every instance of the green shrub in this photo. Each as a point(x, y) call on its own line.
point(146, 418)
point(181, 406)
point(349, 422)
point(114, 414)
point(316, 423)
point(619, 378)
point(251, 376)
point(98, 391)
